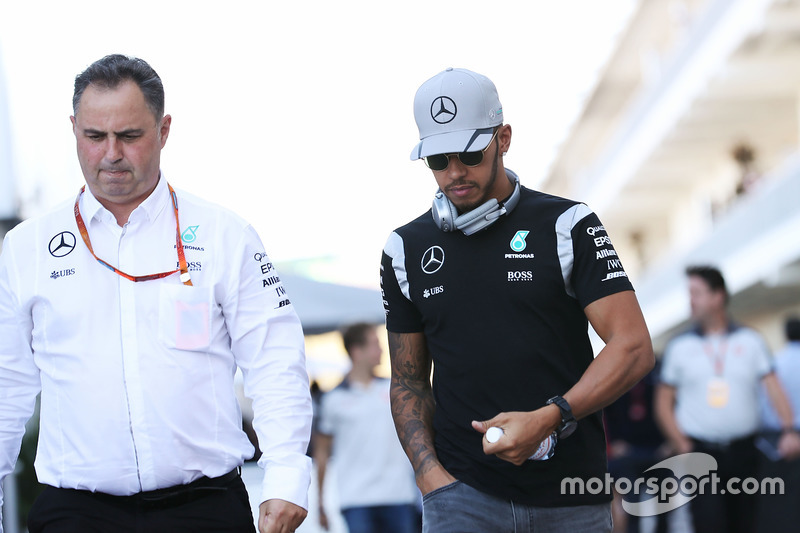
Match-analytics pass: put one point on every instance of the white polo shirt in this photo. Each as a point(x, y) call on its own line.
point(371, 466)
point(717, 381)
point(136, 379)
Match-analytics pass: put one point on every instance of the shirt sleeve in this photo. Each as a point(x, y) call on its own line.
point(764, 360)
point(402, 315)
point(267, 342)
point(325, 423)
point(19, 376)
point(597, 271)
point(669, 367)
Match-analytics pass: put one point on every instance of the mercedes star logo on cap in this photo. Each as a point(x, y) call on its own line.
point(62, 244)
point(443, 110)
point(432, 259)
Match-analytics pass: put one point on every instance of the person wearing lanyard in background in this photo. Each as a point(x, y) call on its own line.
point(130, 309)
point(708, 401)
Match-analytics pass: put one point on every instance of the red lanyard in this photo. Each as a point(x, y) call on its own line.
point(718, 358)
point(183, 266)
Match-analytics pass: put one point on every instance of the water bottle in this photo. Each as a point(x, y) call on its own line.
point(544, 452)
point(546, 449)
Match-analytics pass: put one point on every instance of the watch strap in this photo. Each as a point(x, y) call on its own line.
point(568, 422)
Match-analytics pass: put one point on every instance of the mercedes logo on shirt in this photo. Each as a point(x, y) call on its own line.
point(432, 259)
point(62, 244)
point(443, 110)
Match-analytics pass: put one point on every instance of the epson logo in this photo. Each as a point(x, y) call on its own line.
point(520, 275)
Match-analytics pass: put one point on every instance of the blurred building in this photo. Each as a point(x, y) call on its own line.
point(687, 149)
point(8, 198)
point(8, 219)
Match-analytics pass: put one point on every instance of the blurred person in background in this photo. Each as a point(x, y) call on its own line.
point(708, 400)
point(129, 309)
point(376, 489)
point(634, 445)
point(779, 513)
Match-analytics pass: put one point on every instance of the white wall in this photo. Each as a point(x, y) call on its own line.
point(8, 198)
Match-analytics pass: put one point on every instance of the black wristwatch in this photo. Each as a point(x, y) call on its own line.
point(568, 422)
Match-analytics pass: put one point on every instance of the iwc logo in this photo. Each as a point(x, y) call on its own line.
point(432, 259)
point(443, 110)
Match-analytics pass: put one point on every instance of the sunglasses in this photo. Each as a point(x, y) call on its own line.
point(439, 162)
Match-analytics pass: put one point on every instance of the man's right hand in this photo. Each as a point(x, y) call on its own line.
point(789, 445)
point(323, 519)
point(433, 479)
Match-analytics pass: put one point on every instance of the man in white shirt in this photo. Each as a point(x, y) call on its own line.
point(376, 488)
point(140, 429)
point(707, 400)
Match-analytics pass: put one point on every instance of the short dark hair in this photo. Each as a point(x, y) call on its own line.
point(792, 328)
point(112, 70)
point(355, 335)
point(712, 276)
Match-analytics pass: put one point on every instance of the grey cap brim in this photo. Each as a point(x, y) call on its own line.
point(453, 142)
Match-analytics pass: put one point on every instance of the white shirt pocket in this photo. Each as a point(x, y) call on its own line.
point(184, 316)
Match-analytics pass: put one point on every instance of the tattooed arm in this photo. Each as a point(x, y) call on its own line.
point(412, 408)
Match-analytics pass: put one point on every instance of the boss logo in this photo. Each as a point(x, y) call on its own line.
point(194, 266)
point(520, 275)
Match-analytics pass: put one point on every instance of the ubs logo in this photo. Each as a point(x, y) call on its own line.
point(443, 110)
point(62, 244)
point(432, 259)
point(59, 273)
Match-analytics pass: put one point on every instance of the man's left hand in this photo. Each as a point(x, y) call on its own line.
point(279, 516)
point(789, 445)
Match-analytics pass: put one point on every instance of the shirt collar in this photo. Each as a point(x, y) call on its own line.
point(732, 327)
point(150, 208)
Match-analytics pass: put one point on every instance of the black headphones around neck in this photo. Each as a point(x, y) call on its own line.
point(447, 218)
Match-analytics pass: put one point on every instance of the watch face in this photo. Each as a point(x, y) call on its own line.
point(567, 429)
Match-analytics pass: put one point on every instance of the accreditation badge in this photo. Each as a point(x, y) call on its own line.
point(719, 393)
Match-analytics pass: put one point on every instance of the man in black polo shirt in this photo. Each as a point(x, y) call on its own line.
point(496, 286)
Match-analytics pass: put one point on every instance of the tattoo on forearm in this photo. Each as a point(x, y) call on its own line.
point(412, 399)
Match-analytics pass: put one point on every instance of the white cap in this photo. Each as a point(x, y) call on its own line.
point(455, 111)
point(493, 434)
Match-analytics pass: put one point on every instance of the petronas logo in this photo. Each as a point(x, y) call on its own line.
point(190, 234)
point(518, 243)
